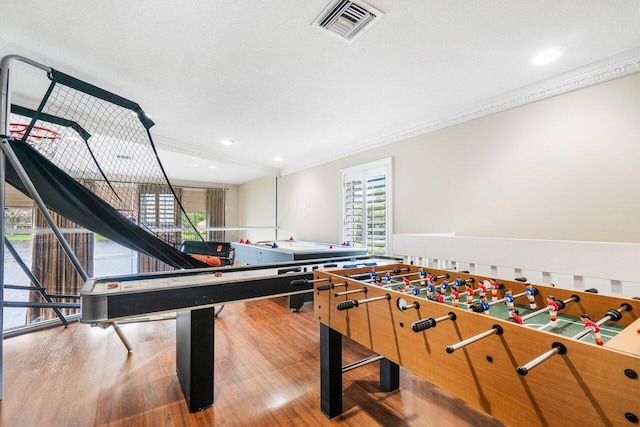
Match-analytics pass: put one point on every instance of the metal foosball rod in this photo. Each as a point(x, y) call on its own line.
point(364, 289)
point(496, 329)
point(361, 362)
point(612, 315)
point(556, 348)
point(403, 306)
point(477, 307)
point(403, 284)
point(444, 276)
point(424, 324)
point(360, 276)
point(346, 305)
point(561, 305)
point(395, 271)
point(521, 294)
point(559, 348)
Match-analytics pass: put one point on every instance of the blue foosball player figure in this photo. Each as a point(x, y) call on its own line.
point(509, 299)
point(485, 304)
point(530, 295)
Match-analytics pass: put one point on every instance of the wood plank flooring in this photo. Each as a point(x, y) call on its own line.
point(266, 374)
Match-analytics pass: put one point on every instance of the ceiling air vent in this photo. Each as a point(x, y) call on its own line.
point(347, 19)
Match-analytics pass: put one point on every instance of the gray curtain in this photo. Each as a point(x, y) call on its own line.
point(215, 213)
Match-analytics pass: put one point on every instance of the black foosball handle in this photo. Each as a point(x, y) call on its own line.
point(423, 325)
point(346, 305)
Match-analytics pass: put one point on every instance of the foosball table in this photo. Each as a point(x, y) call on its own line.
point(526, 354)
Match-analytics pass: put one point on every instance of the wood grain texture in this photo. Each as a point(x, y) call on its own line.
point(266, 374)
point(587, 385)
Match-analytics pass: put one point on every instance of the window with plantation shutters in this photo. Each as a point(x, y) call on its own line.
point(157, 209)
point(366, 201)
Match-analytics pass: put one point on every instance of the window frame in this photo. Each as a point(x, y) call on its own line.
point(363, 172)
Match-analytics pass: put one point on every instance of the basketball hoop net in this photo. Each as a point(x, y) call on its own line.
point(37, 134)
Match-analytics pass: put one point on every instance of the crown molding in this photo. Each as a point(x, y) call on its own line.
point(595, 73)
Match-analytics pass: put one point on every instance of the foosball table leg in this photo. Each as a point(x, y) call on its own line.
point(330, 371)
point(389, 375)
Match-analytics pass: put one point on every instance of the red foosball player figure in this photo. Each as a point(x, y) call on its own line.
point(455, 295)
point(483, 288)
point(553, 310)
point(469, 295)
point(593, 328)
point(440, 295)
point(530, 295)
point(494, 289)
point(509, 299)
point(515, 315)
point(406, 285)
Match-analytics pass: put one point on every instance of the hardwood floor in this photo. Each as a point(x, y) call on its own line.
point(266, 374)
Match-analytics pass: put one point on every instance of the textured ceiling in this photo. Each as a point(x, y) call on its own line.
point(257, 73)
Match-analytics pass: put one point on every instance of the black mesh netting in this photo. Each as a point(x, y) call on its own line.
point(102, 142)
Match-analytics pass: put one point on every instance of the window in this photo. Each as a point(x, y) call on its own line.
point(157, 210)
point(366, 202)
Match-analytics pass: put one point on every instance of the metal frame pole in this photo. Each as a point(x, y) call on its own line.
point(2, 227)
point(5, 109)
point(4, 130)
point(36, 283)
point(24, 177)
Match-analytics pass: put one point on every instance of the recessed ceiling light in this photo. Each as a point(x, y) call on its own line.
point(226, 142)
point(193, 165)
point(213, 167)
point(548, 55)
point(278, 159)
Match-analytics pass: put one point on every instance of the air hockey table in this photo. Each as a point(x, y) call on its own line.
point(290, 250)
point(193, 295)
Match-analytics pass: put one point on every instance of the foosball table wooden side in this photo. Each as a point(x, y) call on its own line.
point(583, 385)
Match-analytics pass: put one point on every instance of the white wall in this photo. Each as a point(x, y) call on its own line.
point(564, 168)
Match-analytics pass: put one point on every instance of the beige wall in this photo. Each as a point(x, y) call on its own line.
point(565, 168)
point(257, 208)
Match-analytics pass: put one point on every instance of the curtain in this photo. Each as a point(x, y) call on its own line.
point(215, 213)
point(51, 266)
